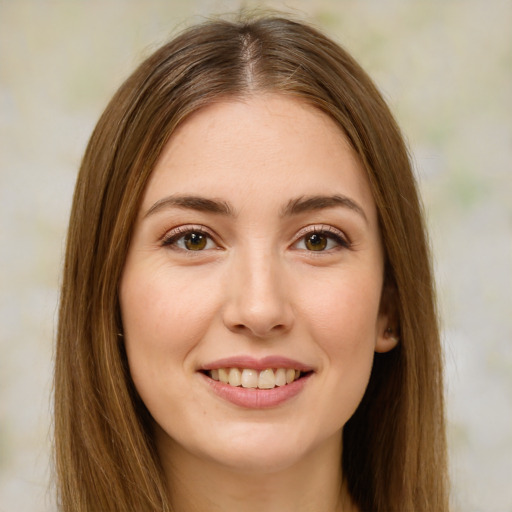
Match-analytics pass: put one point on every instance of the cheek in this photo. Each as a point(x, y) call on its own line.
point(163, 320)
point(161, 305)
point(343, 321)
point(344, 313)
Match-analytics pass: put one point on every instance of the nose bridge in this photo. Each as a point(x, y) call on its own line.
point(258, 301)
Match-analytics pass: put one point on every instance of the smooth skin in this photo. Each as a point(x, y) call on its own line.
point(257, 236)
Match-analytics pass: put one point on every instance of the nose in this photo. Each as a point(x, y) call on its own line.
point(258, 297)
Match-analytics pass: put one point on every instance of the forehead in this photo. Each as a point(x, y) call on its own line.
point(260, 146)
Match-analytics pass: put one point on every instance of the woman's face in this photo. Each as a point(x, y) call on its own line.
point(256, 259)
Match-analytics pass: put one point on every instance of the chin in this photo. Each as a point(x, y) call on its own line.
point(260, 461)
point(265, 449)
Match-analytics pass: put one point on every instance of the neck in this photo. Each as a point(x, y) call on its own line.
point(313, 484)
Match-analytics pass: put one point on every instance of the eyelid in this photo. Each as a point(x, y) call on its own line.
point(174, 234)
point(324, 229)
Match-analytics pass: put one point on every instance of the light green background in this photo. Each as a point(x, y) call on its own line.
point(446, 69)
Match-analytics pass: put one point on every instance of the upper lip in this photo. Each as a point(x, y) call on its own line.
point(257, 364)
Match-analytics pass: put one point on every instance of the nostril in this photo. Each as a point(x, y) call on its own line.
point(257, 318)
point(259, 331)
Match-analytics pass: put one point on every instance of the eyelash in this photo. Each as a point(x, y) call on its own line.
point(330, 232)
point(172, 238)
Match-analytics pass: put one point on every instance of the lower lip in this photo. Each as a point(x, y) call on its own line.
point(254, 398)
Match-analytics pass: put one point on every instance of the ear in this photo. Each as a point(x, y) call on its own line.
point(387, 324)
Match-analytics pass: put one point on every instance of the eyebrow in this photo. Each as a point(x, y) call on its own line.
point(312, 203)
point(201, 204)
point(294, 206)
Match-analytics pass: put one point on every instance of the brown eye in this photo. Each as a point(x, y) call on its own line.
point(316, 242)
point(322, 239)
point(195, 241)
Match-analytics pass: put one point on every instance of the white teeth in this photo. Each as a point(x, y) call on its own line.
point(250, 378)
point(267, 379)
point(235, 377)
point(223, 375)
point(280, 377)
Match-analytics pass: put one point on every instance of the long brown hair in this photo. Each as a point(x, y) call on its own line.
point(394, 445)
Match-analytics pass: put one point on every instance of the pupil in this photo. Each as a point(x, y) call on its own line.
point(317, 242)
point(195, 241)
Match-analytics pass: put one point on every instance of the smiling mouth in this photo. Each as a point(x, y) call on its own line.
point(251, 378)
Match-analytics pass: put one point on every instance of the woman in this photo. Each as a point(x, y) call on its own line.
point(247, 315)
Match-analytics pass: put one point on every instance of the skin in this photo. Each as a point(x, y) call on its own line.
point(255, 289)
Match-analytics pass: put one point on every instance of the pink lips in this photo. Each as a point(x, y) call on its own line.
point(257, 364)
point(252, 398)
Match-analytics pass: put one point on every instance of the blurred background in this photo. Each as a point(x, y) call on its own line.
point(445, 68)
